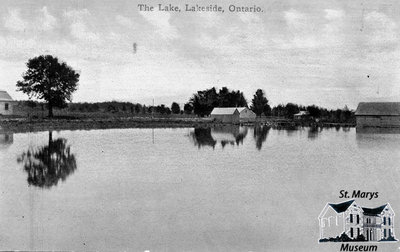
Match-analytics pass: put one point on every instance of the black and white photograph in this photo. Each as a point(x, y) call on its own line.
point(228, 125)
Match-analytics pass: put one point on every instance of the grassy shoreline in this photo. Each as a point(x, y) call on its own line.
point(19, 125)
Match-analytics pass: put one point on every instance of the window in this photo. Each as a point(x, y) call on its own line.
point(390, 233)
point(6, 106)
point(358, 219)
point(358, 231)
point(384, 233)
point(351, 218)
point(351, 232)
point(389, 221)
point(384, 220)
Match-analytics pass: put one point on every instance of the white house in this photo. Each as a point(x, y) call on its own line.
point(246, 115)
point(350, 218)
point(6, 103)
point(378, 222)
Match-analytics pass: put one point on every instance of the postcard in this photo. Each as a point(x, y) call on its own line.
point(149, 126)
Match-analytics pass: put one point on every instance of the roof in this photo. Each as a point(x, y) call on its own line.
point(341, 207)
point(373, 211)
point(302, 113)
point(223, 111)
point(378, 108)
point(4, 96)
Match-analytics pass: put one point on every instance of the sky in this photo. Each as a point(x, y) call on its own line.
point(329, 53)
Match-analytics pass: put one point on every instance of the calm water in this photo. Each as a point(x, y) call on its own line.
point(220, 189)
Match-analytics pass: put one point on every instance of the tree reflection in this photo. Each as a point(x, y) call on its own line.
point(202, 137)
point(260, 135)
point(313, 132)
point(49, 164)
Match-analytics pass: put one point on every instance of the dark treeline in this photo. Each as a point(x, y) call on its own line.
point(314, 113)
point(203, 102)
point(110, 107)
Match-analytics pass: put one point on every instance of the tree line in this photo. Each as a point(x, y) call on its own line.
point(54, 82)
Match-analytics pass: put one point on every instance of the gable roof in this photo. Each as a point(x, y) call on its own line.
point(373, 211)
point(302, 112)
point(378, 108)
point(224, 111)
point(4, 96)
point(341, 207)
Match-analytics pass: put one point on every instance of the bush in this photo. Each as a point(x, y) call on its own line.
point(343, 238)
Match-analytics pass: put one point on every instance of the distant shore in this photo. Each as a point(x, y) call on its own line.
point(32, 125)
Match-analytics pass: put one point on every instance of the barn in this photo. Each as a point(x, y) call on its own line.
point(6, 103)
point(246, 115)
point(226, 115)
point(378, 114)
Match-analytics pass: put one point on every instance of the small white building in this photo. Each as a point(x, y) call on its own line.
point(350, 218)
point(246, 114)
point(301, 115)
point(226, 115)
point(6, 103)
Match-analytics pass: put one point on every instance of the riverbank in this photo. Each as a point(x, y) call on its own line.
point(25, 125)
point(18, 125)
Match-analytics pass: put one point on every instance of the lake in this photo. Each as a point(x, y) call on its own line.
point(205, 189)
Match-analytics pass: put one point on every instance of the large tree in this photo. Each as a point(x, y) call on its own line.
point(50, 80)
point(259, 103)
point(188, 108)
point(175, 108)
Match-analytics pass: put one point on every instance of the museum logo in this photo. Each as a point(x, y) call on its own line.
point(349, 222)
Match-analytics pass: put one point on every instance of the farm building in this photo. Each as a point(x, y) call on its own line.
point(301, 115)
point(246, 115)
point(378, 114)
point(6, 103)
point(226, 115)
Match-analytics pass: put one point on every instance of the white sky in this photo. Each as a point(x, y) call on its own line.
point(307, 52)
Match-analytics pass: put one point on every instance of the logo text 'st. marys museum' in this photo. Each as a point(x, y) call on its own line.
point(348, 221)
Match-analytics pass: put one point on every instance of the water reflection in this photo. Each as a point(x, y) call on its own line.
point(47, 165)
point(225, 135)
point(202, 137)
point(378, 130)
point(235, 134)
point(260, 135)
point(313, 132)
point(6, 140)
point(229, 134)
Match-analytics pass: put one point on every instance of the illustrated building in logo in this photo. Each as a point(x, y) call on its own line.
point(349, 221)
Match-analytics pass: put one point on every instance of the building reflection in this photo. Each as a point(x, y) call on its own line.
point(228, 135)
point(48, 164)
point(378, 138)
point(6, 139)
point(225, 135)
